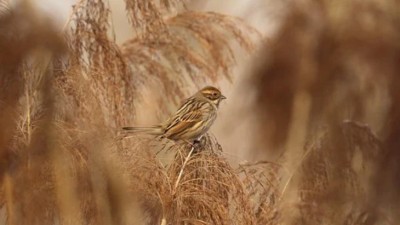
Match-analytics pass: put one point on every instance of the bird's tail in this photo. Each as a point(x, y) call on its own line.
point(154, 130)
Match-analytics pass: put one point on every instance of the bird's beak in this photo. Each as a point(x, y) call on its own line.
point(223, 97)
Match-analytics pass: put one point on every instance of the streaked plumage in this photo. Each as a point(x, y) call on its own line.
point(193, 119)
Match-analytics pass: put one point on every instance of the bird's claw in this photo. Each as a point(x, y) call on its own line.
point(195, 144)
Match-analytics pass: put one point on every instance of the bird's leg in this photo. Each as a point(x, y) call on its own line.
point(197, 143)
point(189, 143)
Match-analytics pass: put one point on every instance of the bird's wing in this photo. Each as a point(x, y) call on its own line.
point(184, 122)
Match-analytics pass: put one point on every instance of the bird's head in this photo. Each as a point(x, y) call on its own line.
point(212, 94)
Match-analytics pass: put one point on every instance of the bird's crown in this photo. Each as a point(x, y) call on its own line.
point(211, 93)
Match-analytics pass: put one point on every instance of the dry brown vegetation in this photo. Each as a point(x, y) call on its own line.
point(327, 91)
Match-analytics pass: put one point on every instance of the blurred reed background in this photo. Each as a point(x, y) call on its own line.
point(309, 133)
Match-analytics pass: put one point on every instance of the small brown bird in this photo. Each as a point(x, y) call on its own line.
point(192, 120)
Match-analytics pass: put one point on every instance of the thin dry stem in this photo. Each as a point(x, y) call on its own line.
point(183, 167)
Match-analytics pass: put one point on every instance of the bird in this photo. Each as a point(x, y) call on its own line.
point(192, 119)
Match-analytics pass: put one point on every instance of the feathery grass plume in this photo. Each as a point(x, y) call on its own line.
point(197, 187)
point(206, 189)
point(28, 43)
point(31, 146)
point(198, 49)
point(94, 101)
point(146, 176)
point(148, 16)
point(198, 29)
point(100, 61)
point(332, 62)
point(337, 175)
point(16, 41)
point(262, 184)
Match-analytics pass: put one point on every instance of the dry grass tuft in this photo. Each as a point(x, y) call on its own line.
point(195, 187)
point(206, 189)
